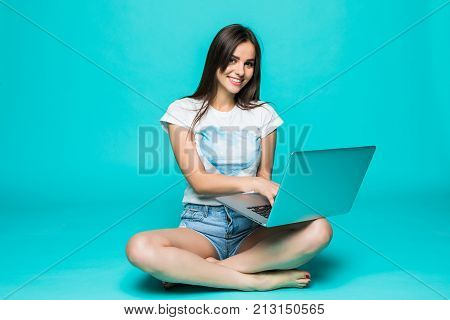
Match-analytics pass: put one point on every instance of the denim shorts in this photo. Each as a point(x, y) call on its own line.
point(223, 227)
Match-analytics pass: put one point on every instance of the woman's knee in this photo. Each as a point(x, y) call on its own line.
point(142, 249)
point(321, 233)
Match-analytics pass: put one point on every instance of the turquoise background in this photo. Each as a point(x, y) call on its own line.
point(78, 79)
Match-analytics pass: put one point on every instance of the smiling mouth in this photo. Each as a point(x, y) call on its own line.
point(235, 82)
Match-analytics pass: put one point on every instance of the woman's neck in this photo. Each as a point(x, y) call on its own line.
point(223, 101)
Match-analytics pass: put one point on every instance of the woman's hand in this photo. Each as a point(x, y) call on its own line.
point(265, 187)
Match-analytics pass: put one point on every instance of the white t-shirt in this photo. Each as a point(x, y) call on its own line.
point(227, 142)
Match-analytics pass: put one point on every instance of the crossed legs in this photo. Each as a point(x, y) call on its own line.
point(183, 256)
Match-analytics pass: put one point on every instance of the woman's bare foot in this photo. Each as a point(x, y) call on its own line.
point(275, 279)
point(270, 280)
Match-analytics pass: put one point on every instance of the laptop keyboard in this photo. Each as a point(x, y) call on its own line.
point(261, 210)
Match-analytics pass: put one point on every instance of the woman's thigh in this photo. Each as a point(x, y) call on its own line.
point(182, 238)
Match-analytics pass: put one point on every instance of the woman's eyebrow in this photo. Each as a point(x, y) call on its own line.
point(239, 58)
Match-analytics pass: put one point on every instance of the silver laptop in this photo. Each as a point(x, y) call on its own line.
point(315, 183)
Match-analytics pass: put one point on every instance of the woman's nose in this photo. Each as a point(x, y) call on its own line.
point(239, 70)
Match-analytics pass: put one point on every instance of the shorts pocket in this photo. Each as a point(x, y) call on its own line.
point(193, 214)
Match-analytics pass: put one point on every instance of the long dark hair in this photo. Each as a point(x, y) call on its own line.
point(219, 55)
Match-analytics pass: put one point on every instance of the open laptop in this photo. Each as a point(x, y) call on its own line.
point(315, 183)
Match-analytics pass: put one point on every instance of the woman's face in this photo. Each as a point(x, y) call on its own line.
point(239, 70)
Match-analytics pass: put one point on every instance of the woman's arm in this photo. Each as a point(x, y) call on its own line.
point(213, 183)
point(194, 171)
point(268, 145)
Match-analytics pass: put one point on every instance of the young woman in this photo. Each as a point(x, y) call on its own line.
point(224, 138)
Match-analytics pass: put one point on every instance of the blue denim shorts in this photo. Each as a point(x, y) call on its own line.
point(223, 227)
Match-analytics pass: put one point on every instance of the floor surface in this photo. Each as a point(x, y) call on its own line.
point(387, 247)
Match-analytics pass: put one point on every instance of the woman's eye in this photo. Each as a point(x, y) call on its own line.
point(251, 64)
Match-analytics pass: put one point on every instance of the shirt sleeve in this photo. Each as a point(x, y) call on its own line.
point(177, 114)
point(271, 120)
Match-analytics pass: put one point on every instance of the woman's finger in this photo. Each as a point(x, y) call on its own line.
point(276, 187)
point(270, 198)
point(274, 191)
